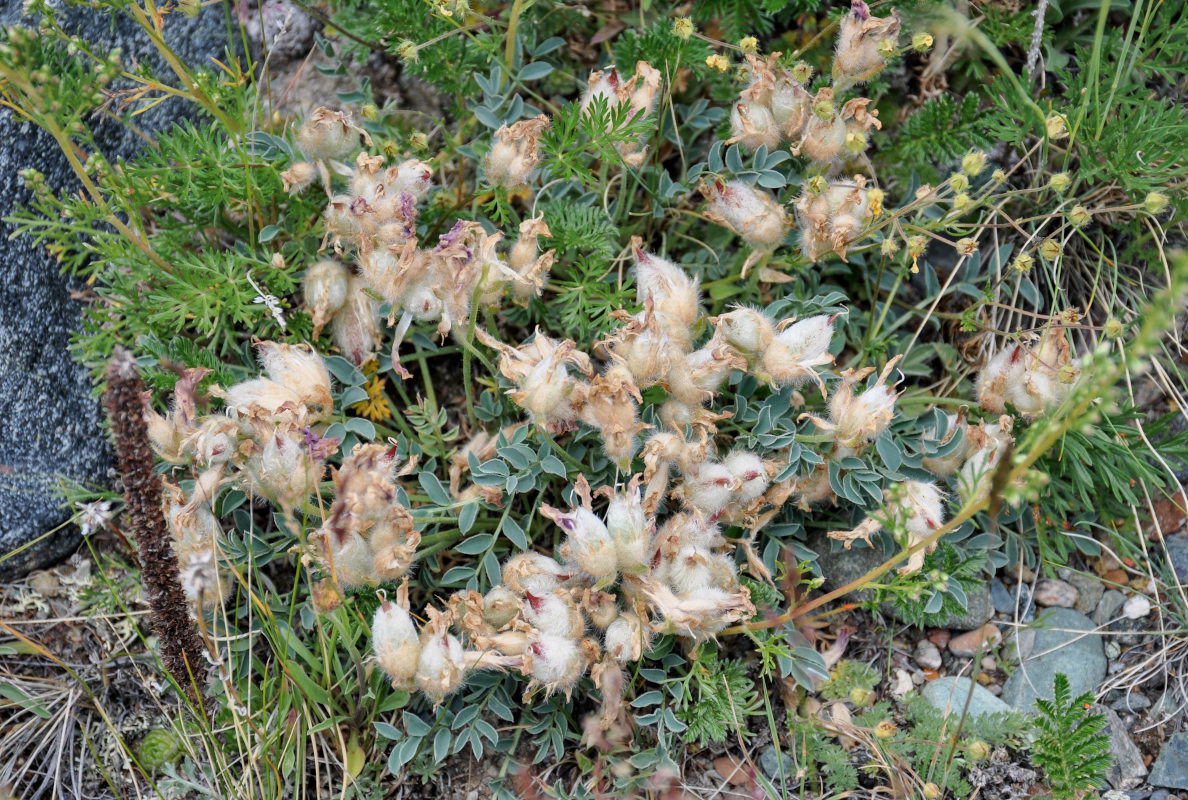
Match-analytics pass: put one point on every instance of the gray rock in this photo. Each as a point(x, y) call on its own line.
point(978, 612)
point(1170, 769)
point(1129, 631)
point(1057, 647)
point(1128, 769)
point(1111, 603)
point(50, 425)
point(1177, 555)
point(770, 765)
point(1006, 600)
point(950, 693)
point(927, 655)
point(1131, 702)
point(1159, 794)
point(840, 567)
point(1089, 592)
point(1001, 598)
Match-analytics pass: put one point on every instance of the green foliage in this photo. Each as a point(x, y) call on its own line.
point(714, 698)
point(939, 131)
point(846, 677)
point(1072, 747)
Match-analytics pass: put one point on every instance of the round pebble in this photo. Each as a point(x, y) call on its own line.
point(969, 643)
point(928, 655)
point(1054, 593)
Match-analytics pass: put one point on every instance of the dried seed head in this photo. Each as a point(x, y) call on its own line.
point(1079, 216)
point(557, 662)
point(328, 134)
point(601, 607)
point(515, 153)
point(1057, 126)
point(298, 176)
point(790, 358)
point(301, 370)
point(673, 293)
point(533, 572)
point(863, 41)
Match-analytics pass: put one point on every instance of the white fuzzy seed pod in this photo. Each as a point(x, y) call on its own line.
point(752, 125)
point(302, 370)
point(628, 528)
point(554, 614)
point(441, 665)
point(708, 487)
point(396, 643)
point(533, 572)
point(626, 638)
point(748, 470)
point(748, 331)
point(325, 289)
point(591, 546)
point(557, 662)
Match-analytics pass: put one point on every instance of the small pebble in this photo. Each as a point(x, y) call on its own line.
point(939, 636)
point(1131, 702)
point(983, 679)
point(918, 677)
point(1055, 593)
point(989, 663)
point(1112, 650)
point(969, 643)
point(995, 689)
point(1159, 794)
point(1116, 576)
point(927, 655)
point(1136, 607)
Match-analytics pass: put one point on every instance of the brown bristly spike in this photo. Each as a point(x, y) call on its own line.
point(181, 649)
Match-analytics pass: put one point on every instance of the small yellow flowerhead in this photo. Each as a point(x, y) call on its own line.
point(889, 247)
point(885, 729)
point(682, 28)
point(1050, 249)
point(1022, 263)
point(419, 140)
point(816, 184)
point(856, 142)
point(922, 42)
point(749, 44)
point(824, 109)
point(915, 248)
point(1079, 216)
point(959, 182)
point(407, 51)
point(978, 750)
point(1113, 328)
point(1060, 182)
point(875, 198)
point(962, 202)
point(886, 47)
point(1155, 202)
point(802, 72)
point(998, 176)
point(967, 246)
point(1057, 126)
point(719, 62)
point(973, 163)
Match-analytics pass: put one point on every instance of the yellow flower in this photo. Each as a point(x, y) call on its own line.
point(376, 407)
point(749, 44)
point(718, 62)
point(683, 28)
